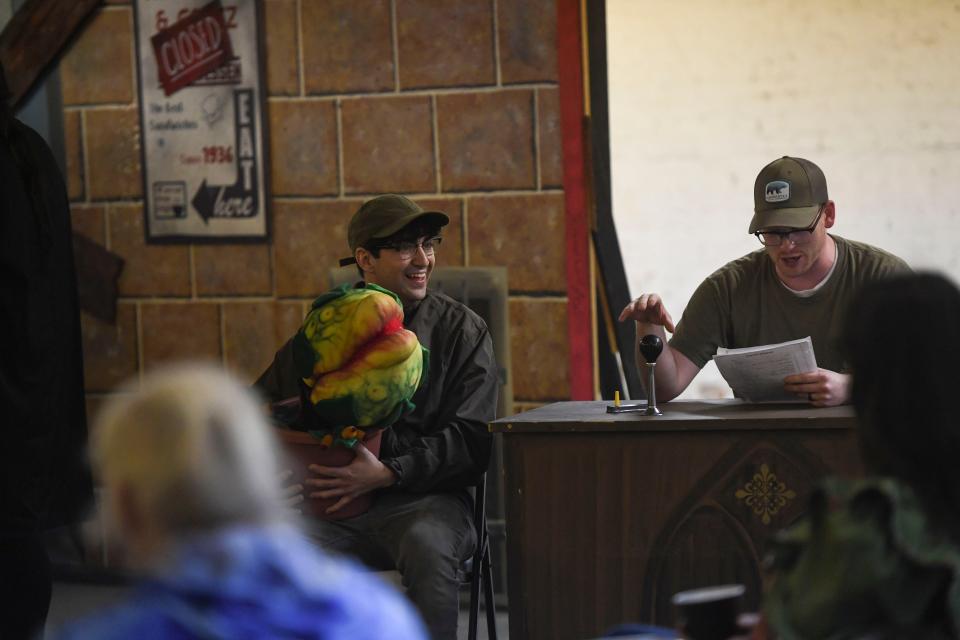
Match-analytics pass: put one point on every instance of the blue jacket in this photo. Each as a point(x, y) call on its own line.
point(248, 582)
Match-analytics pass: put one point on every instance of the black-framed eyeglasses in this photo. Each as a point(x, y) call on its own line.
point(797, 236)
point(408, 248)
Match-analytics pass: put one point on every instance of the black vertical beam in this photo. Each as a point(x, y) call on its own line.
point(613, 277)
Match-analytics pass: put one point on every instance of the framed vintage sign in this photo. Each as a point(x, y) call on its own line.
point(203, 147)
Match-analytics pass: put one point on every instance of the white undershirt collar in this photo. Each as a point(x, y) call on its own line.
point(806, 293)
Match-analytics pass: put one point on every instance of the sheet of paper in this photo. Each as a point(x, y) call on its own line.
point(756, 373)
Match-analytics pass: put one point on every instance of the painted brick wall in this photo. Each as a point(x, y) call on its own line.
point(452, 103)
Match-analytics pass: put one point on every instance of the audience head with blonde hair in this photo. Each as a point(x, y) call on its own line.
point(192, 480)
point(188, 452)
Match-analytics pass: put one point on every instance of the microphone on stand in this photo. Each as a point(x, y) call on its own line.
point(650, 348)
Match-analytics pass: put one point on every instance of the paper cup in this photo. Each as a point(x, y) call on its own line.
point(709, 613)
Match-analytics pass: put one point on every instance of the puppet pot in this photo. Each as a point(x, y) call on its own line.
point(303, 449)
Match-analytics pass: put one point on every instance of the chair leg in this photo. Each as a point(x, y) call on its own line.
point(475, 577)
point(486, 570)
point(481, 559)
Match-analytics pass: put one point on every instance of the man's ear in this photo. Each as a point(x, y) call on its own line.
point(365, 260)
point(829, 214)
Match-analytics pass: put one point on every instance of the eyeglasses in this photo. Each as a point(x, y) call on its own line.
point(406, 249)
point(798, 236)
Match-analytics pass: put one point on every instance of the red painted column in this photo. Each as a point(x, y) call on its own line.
point(579, 298)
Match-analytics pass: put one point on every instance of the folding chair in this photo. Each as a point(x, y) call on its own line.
point(476, 571)
point(478, 568)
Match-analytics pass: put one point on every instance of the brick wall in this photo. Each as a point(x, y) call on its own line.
point(453, 103)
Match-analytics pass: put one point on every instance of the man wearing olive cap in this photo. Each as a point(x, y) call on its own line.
point(798, 285)
point(421, 521)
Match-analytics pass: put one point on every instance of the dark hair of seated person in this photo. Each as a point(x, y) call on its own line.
point(903, 344)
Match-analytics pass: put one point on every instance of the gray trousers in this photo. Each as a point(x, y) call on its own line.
point(426, 537)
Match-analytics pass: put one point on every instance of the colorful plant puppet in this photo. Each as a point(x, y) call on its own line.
point(360, 367)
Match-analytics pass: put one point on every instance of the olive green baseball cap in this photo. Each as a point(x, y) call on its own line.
point(788, 193)
point(383, 216)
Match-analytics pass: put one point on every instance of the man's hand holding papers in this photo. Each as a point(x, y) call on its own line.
point(759, 374)
point(824, 388)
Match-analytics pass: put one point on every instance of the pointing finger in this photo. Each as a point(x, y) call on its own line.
point(668, 322)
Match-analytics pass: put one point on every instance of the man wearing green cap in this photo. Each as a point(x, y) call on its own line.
point(421, 521)
point(798, 285)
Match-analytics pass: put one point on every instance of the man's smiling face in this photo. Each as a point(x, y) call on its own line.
point(403, 272)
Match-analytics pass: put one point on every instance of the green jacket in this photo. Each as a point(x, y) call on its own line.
point(865, 562)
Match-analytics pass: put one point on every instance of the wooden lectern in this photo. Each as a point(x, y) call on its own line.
point(608, 515)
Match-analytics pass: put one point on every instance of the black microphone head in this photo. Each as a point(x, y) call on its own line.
point(650, 347)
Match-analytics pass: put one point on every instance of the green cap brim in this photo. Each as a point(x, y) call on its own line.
point(796, 218)
point(435, 217)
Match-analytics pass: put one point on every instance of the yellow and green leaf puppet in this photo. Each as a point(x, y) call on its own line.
point(360, 367)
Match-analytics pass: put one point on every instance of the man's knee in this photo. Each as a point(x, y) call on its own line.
point(436, 545)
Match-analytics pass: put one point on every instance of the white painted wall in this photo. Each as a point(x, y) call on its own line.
point(704, 93)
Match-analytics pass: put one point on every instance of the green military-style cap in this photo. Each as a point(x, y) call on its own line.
point(383, 216)
point(788, 193)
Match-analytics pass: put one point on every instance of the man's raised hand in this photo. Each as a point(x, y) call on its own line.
point(648, 308)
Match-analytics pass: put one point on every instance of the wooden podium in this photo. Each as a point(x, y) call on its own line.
point(608, 515)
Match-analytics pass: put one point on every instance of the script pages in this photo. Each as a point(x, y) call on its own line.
point(756, 373)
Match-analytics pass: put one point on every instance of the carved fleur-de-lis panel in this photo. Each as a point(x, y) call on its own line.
point(756, 488)
point(765, 494)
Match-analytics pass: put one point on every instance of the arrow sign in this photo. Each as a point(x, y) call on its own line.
point(240, 199)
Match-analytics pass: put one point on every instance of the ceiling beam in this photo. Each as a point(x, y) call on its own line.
point(34, 39)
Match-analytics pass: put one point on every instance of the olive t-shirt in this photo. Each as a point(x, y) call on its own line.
point(744, 304)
